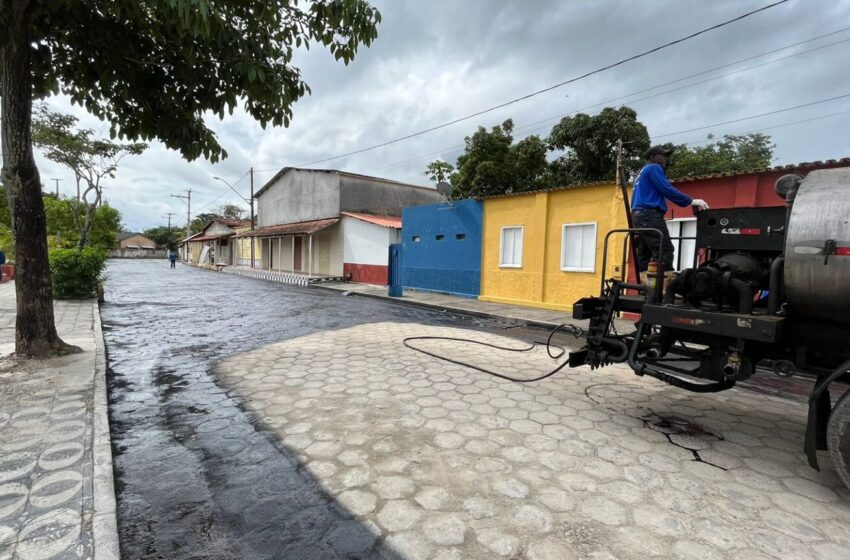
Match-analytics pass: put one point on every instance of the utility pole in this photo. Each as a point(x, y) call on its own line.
point(168, 215)
point(57, 186)
point(621, 181)
point(251, 201)
point(188, 199)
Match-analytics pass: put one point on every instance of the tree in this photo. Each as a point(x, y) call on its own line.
point(90, 159)
point(493, 164)
point(231, 211)
point(591, 145)
point(164, 237)
point(62, 223)
point(439, 171)
point(732, 153)
point(153, 70)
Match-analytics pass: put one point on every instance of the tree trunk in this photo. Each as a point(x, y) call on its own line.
point(35, 331)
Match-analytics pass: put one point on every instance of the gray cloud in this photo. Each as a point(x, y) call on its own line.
point(439, 60)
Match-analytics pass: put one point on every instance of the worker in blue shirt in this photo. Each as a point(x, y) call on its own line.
point(649, 207)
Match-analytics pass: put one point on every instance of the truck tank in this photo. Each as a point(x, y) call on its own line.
point(817, 250)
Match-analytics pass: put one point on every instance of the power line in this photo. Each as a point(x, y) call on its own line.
point(556, 117)
point(455, 148)
point(762, 129)
point(750, 117)
point(550, 88)
point(239, 180)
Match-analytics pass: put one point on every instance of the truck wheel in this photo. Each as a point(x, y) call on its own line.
point(838, 437)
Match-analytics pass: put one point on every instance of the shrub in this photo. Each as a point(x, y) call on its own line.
point(7, 242)
point(76, 271)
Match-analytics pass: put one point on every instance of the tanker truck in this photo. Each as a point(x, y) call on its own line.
point(772, 289)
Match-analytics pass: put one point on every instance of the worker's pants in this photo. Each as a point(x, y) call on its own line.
point(647, 242)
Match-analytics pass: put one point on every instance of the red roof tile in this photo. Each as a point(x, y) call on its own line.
point(297, 228)
point(385, 221)
point(804, 166)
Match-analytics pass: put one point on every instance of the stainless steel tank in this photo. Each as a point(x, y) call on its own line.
point(817, 250)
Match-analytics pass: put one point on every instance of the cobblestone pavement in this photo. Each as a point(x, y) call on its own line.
point(197, 476)
point(445, 462)
point(46, 441)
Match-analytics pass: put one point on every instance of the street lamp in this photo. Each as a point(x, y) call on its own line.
point(250, 201)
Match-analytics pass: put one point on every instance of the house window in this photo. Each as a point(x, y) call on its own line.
point(510, 253)
point(440, 237)
point(578, 247)
point(684, 250)
point(460, 236)
point(415, 239)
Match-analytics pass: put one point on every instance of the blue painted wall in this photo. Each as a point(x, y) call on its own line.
point(442, 247)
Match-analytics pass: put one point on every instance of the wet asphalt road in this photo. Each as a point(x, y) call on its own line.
point(196, 476)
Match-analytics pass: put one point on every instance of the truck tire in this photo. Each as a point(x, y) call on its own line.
point(838, 437)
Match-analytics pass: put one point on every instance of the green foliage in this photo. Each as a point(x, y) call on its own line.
point(231, 211)
point(164, 237)
point(153, 69)
point(439, 171)
point(493, 164)
point(76, 272)
point(732, 153)
point(90, 159)
point(591, 145)
point(226, 211)
point(62, 215)
point(5, 216)
point(7, 242)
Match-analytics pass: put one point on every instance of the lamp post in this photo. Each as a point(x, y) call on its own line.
point(250, 202)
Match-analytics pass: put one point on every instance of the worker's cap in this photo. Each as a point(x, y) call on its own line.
point(655, 150)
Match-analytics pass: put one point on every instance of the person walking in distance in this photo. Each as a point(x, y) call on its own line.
point(652, 189)
point(172, 256)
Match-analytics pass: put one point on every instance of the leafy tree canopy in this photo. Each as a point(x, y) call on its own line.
point(493, 164)
point(731, 153)
point(62, 224)
point(90, 159)
point(165, 237)
point(590, 142)
point(152, 69)
point(225, 211)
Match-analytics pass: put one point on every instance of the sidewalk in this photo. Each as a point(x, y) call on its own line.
point(532, 316)
point(56, 488)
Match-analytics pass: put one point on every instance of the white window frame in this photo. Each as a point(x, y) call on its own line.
point(564, 227)
point(677, 243)
point(502, 246)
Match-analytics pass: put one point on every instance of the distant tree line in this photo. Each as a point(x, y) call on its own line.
point(583, 148)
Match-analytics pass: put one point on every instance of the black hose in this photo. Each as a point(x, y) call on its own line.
point(670, 293)
point(776, 273)
point(745, 295)
point(575, 331)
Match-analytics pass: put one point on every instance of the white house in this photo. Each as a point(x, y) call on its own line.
point(331, 224)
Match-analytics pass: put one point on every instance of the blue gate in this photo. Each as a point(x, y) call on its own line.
point(395, 271)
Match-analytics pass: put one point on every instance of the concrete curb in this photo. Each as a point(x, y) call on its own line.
point(448, 309)
point(105, 521)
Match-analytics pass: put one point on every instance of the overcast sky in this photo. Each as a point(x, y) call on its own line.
point(438, 60)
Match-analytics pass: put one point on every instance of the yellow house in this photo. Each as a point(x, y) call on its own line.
point(544, 248)
point(242, 249)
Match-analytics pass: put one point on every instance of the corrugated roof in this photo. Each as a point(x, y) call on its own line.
point(211, 237)
point(385, 221)
point(553, 189)
point(804, 166)
point(233, 222)
point(297, 228)
point(283, 171)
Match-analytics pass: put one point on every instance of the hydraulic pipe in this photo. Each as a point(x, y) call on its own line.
point(670, 293)
point(777, 268)
point(745, 295)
